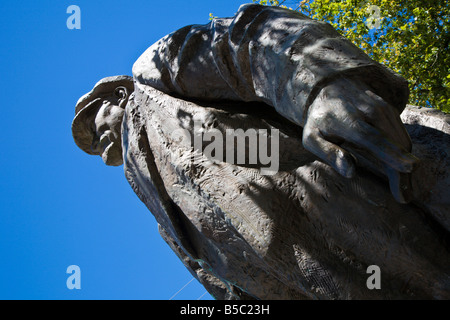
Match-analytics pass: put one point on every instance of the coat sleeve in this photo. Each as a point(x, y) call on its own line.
point(267, 54)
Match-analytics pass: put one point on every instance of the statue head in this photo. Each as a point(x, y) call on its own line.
point(96, 127)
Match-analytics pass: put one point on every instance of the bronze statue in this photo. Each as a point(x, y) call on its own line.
point(286, 72)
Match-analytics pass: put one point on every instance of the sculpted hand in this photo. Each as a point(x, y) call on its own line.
point(348, 124)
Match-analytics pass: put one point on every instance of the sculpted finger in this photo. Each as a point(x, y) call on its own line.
point(402, 136)
point(388, 120)
point(400, 185)
point(333, 155)
point(381, 147)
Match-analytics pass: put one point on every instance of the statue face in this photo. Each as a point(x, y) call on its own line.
point(108, 123)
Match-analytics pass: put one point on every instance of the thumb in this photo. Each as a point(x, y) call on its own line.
point(339, 159)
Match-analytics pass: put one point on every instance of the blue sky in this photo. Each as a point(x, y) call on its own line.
point(60, 206)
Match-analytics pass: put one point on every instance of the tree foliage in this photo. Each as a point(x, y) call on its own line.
point(410, 37)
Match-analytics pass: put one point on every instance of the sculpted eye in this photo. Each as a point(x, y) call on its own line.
point(120, 92)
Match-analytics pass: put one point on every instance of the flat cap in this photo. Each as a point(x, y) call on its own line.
point(88, 105)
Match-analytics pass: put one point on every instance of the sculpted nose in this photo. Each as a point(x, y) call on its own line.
point(105, 139)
